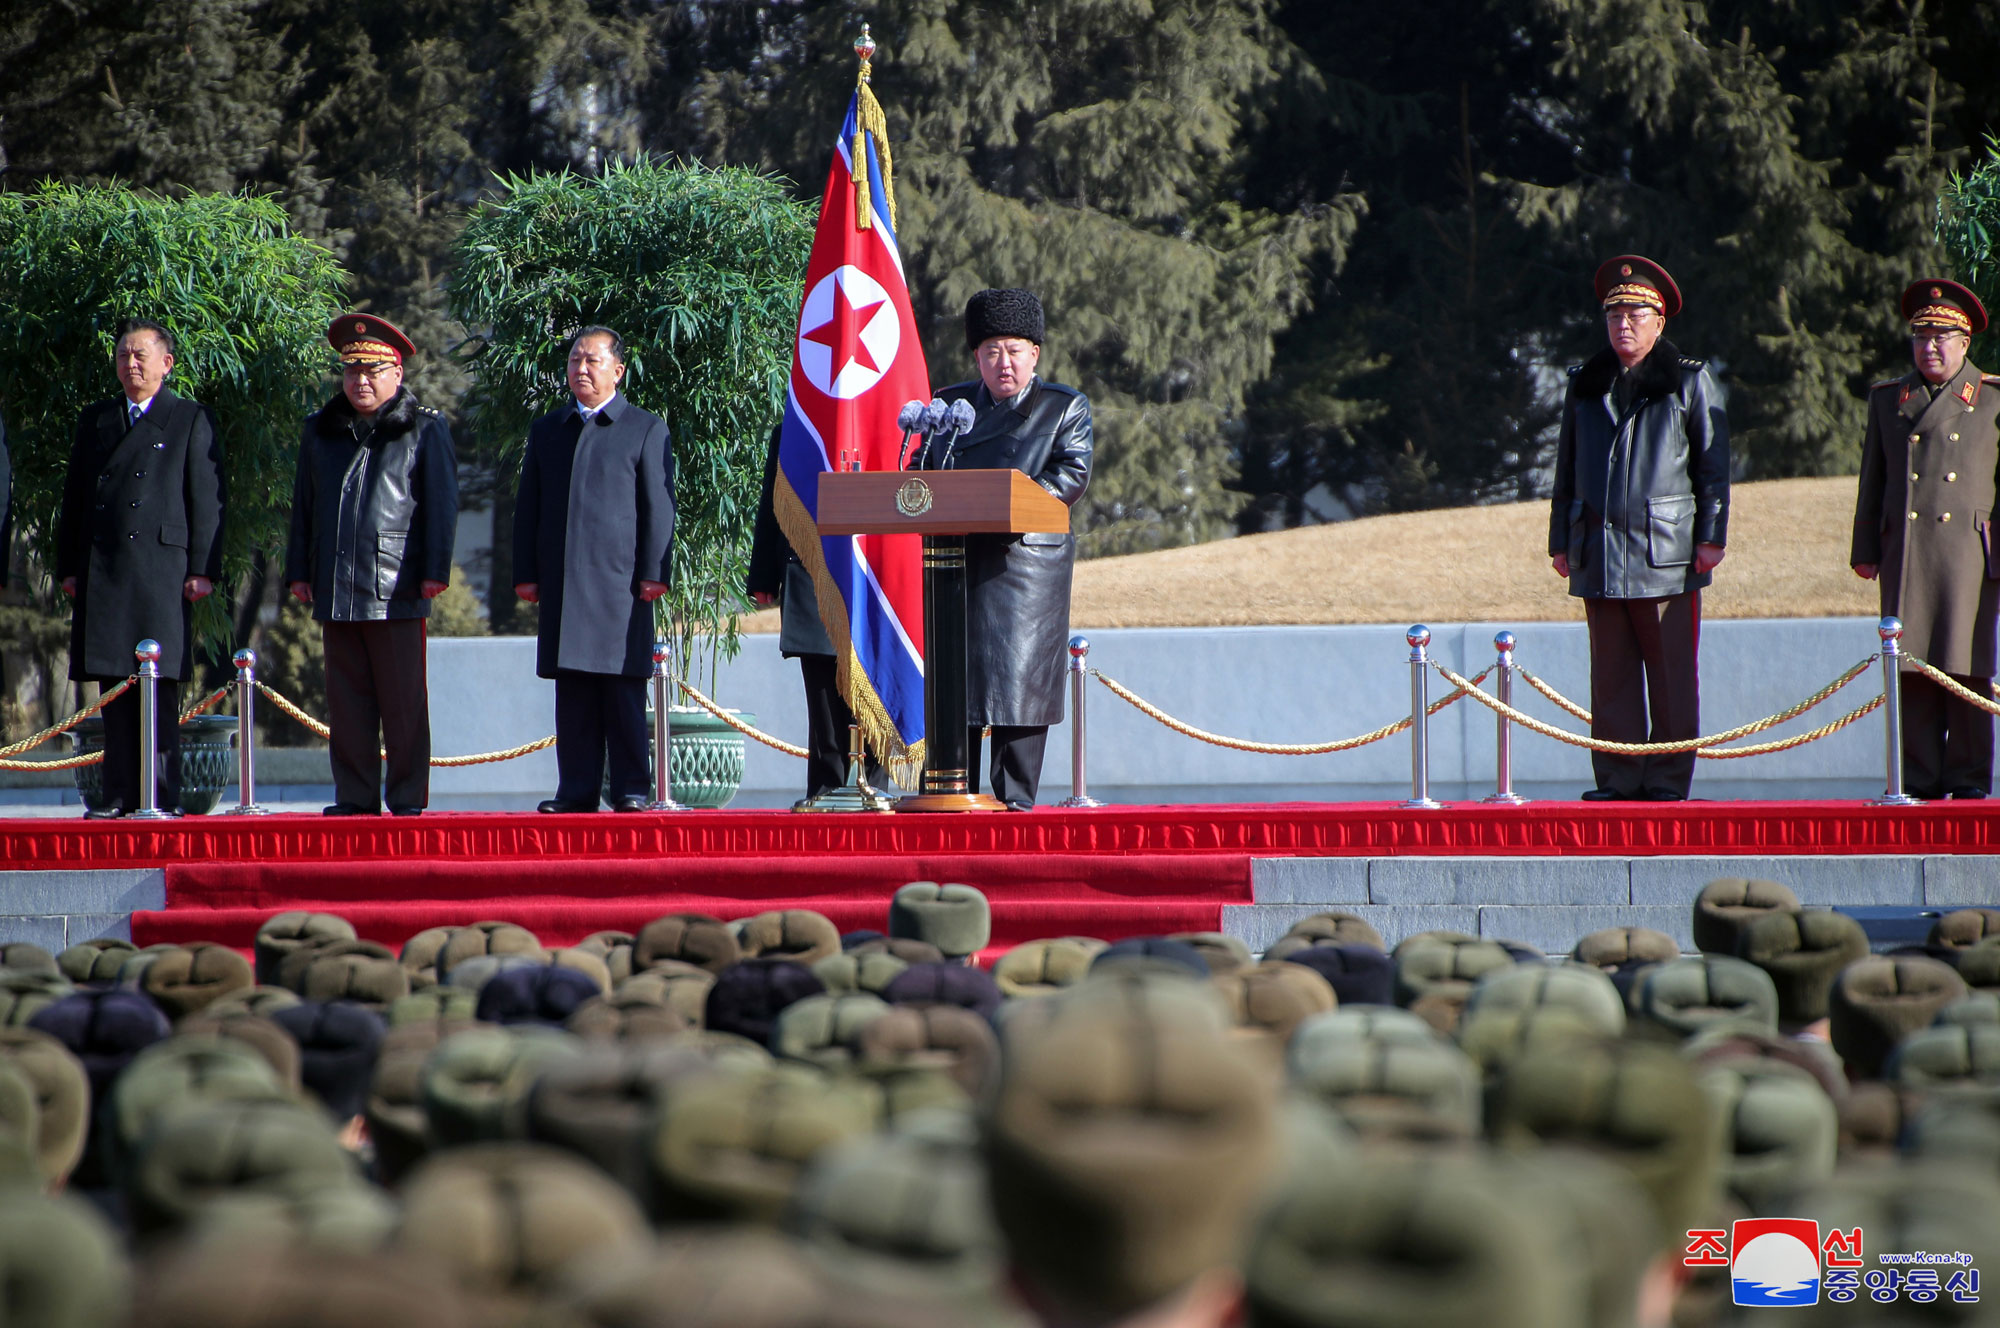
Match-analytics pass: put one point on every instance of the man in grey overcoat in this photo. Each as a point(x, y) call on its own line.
point(138, 542)
point(1017, 592)
point(1638, 516)
point(1929, 537)
point(593, 545)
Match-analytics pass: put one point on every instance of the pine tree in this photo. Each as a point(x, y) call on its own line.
point(1092, 152)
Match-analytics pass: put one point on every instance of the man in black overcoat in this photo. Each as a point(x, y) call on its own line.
point(138, 542)
point(374, 516)
point(1638, 517)
point(1017, 593)
point(593, 545)
point(776, 576)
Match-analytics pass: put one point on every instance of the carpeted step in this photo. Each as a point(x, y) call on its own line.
point(561, 920)
point(752, 880)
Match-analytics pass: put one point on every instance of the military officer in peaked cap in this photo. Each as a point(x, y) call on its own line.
point(374, 515)
point(1923, 529)
point(1017, 598)
point(1637, 521)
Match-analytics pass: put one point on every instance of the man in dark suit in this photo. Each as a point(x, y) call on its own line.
point(138, 542)
point(778, 577)
point(374, 517)
point(593, 545)
point(1017, 605)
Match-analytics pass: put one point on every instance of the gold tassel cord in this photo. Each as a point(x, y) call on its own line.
point(869, 120)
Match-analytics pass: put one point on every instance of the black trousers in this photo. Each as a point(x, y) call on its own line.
point(1016, 774)
point(1642, 668)
point(378, 699)
point(827, 718)
point(121, 746)
point(1947, 743)
point(600, 719)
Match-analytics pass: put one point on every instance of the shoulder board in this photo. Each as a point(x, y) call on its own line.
point(1690, 362)
point(430, 411)
point(1886, 382)
point(1989, 378)
point(1574, 370)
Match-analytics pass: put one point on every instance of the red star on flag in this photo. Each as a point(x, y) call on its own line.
point(841, 333)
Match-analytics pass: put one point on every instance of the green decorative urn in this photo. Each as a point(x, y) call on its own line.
point(208, 761)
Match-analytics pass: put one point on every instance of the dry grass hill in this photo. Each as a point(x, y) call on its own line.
point(1787, 559)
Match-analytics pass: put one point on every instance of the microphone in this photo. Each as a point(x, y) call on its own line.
point(909, 419)
point(963, 417)
point(935, 416)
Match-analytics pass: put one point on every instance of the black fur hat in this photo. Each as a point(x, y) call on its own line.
point(1002, 313)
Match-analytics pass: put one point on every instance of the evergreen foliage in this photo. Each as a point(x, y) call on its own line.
point(248, 303)
point(700, 271)
point(1285, 245)
point(1968, 225)
point(1091, 151)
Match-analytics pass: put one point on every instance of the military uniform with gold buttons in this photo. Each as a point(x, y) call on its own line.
point(1923, 518)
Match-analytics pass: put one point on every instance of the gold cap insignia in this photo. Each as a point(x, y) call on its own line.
point(1936, 294)
point(1625, 269)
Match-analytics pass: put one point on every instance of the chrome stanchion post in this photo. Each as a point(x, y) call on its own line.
point(1503, 779)
point(245, 661)
point(1420, 798)
point(663, 733)
point(1079, 653)
point(148, 655)
point(1891, 632)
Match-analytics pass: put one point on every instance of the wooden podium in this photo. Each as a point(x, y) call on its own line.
point(944, 506)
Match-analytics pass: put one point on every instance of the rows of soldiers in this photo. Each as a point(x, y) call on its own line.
point(765, 1123)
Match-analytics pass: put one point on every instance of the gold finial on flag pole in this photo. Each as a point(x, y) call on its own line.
point(868, 119)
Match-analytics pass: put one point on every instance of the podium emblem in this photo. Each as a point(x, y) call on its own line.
point(914, 498)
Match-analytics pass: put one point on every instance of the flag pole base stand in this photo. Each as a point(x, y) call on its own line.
point(951, 802)
point(857, 794)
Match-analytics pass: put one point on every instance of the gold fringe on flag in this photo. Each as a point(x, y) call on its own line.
point(869, 120)
point(905, 764)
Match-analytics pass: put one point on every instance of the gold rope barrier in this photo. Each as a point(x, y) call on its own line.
point(1792, 712)
point(747, 730)
point(1278, 748)
point(89, 758)
point(280, 700)
point(58, 729)
point(487, 758)
point(1695, 744)
point(1953, 685)
point(1560, 700)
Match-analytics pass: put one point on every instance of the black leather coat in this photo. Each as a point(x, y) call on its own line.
point(1017, 592)
point(1634, 493)
point(142, 512)
point(372, 521)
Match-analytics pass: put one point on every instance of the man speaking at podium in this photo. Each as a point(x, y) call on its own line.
point(1017, 586)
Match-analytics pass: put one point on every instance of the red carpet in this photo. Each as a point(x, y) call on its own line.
point(1117, 871)
point(1267, 830)
point(563, 901)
